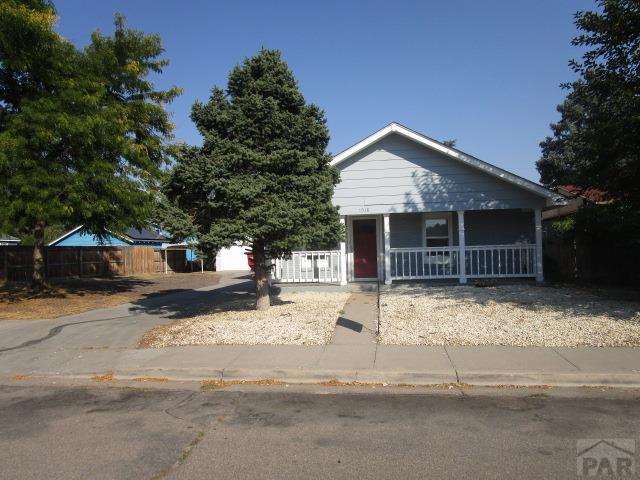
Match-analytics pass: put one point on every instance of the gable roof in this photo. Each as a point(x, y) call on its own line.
point(131, 235)
point(393, 127)
point(64, 235)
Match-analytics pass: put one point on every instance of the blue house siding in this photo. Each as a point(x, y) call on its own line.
point(86, 239)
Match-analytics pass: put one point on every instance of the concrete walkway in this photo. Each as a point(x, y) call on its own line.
point(358, 324)
point(103, 341)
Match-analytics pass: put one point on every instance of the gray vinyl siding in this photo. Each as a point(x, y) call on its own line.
point(482, 227)
point(499, 227)
point(396, 175)
point(405, 230)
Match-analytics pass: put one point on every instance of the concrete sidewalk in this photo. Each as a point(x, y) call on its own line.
point(104, 341)
point(389, 364)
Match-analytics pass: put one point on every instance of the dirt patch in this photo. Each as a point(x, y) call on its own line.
point(294, 318)
point(77, 295)
point(151, 379)
point(515, 315)
point(218, 384)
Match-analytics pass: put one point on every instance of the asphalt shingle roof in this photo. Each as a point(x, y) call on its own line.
point(144, 234)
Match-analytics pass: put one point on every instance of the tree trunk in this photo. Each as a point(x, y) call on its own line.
point(261, 275)
point(38, 278)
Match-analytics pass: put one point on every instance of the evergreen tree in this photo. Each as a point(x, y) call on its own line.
point(81, 131)
point(262, 175)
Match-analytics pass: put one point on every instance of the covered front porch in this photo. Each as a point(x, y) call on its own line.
point(501, 243)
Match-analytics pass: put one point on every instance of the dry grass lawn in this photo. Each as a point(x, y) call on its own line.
point(71, 296)
point(294, 318)
point(516, 315)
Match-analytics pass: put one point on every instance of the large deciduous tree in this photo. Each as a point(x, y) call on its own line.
point(262, 175)
point(82, 132)
point(596, 143)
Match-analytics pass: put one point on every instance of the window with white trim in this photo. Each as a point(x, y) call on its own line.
point(436, 232)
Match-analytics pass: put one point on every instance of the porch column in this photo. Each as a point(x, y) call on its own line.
point(387, 249)
point(538, 221)
point(462, 257)
point(343, 256)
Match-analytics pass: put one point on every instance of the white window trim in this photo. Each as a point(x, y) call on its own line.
point(448, 216)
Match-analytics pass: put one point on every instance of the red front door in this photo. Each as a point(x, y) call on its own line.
point(365, 255)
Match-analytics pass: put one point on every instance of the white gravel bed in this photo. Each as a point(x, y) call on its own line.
point(516, 315)
point(295, 318)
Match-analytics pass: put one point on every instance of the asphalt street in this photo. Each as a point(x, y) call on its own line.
point(269, 432)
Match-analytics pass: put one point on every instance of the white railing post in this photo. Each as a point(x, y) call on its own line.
point(343, 258)
point(387, 250)
point(538, 222)
point(462, 255)
point(274, 273)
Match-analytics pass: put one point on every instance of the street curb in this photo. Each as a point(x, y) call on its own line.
point(582, 379)
point(302, 376)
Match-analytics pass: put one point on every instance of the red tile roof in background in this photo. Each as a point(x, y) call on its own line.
point(592, 194)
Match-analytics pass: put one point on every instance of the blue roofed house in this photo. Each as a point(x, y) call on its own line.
point(232, 258)
point(79, 237)
point(417, 209)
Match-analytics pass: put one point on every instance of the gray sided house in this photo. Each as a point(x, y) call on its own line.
point(415, 209)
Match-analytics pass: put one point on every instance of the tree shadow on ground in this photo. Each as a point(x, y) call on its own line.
point(189, 303)
point(614, 304)
point(12, 292)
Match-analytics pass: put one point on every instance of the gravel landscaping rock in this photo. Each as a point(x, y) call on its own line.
point(517, 315)
point(296, 318)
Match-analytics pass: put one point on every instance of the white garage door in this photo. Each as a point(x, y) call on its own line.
point(232, 259)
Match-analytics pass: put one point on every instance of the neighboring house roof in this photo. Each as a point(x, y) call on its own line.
point(145, 235)
point(592, 194)
point(454, 153)
point(131, 235)
point(577, 197)
point(64, 235)
point(8, 238)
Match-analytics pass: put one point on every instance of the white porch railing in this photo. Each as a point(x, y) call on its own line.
point(309, 267)
point(424, 263)
point(483, 261)
point(501, 261)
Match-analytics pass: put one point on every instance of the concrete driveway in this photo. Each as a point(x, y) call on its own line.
point(61, 340)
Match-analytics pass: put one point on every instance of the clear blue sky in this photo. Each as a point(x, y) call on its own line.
point(486, 73)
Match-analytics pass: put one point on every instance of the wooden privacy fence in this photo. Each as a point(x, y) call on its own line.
point(16, 262)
